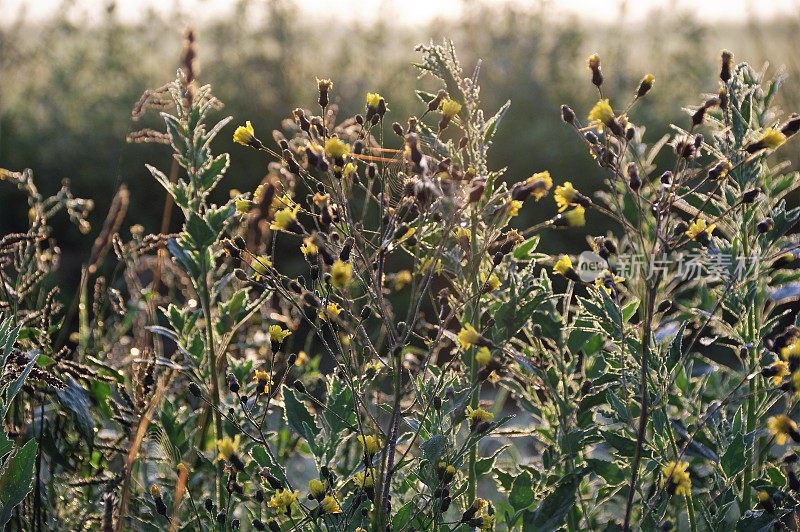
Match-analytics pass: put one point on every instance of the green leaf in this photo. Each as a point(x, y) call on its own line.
point(484, 465)
point(521, 495)
point(523, 251)
point(732, 461)
point(214, 172)
point(609, 471)
point(5, 444)
point(433, 448)
point(625, 446)
point(16, 386)
point(201, 233)
point(16, 479)
point(340, 411)
point(552, 512)
point(298, 417)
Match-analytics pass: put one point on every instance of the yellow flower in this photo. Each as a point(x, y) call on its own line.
point(285, 218)
point(245, 134)
point(603, 280)
point(468, 337)
point(462, 233)
point(791, 351)
point(332, 310)
point(228, 447)
point(477, 415)
point(563, 265)
point(401, 279)
point(698, 227)
point(487, 522)
point(645, 85)
point(309, 247)
point(576, 217)
point(302, 358)
point(782, 427)
point(349, 169)
point(278, 333)
point(341, 274)
point(243, 205)
point(777, 371)
point(263, 380)
point(601, 115)
point(370, 443)
point(542, 182)
point(155, 490)
point(675, 477)
point(449, 108)
point(483, 356)
point(330, 505)
point(769, 140)
point(491, 283)
point(261, 264)
point(513, 207)
point(406, 235)
point(317, 487)
point(282, 500)
point(335, 148)
point(564, 195)
point(366, 478)
point(373, 100)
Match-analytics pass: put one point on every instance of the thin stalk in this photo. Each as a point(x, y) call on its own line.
point(205, 301)
point(643, 415)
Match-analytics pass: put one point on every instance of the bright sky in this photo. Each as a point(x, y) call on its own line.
point(414, 11)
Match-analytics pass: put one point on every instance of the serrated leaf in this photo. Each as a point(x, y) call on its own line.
point(299, 418)
point(16, 479)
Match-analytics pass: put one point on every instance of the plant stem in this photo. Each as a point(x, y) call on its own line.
point(474, 318)
point(642, 431)
point(205, 301)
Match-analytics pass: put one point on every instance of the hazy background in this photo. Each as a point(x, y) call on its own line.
point(70, 72)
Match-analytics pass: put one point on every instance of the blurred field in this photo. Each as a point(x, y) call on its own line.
point(67, 89)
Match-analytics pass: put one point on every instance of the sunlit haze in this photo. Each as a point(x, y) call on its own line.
point(412, 11)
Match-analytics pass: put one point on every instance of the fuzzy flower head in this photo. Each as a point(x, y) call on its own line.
point(317, 488)
point(450, 108)
point(330, 505)
point(336, 148)
point(370, 443)
point(675, 477)
point(563, 265)
point(468, 337)
point(700, 227)
point(263, 381)
point(565, 195)
point(513, 207)
point(783, 427)
point(478, 415)
point(332, 310)
point(791, 351)
point(491, 282)
point(401, 279)
point(282, 500)
point(365, 478)
point(341, 274)
point(228, 447)
point(770, 139)
point(542, 183)
point(278, 333)
point(601, 115)
point(309, 246)
point(286, 218)
point(777, 371)
point(373, 100)
point(607, 280)
point(483, 356)
point(575, 217)
point(261, 265)
point(245, 134)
